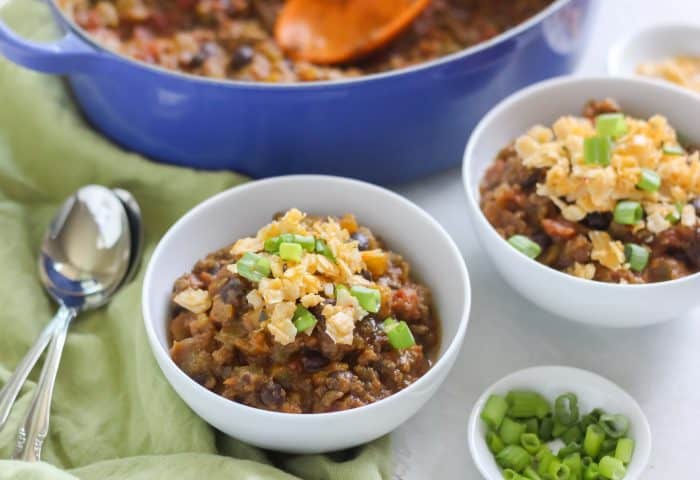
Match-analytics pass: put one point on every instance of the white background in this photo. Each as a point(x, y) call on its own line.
point(659, 366)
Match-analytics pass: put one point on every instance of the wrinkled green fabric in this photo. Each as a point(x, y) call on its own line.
point(114, 415)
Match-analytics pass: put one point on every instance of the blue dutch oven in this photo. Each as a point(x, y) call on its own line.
point(384, 128)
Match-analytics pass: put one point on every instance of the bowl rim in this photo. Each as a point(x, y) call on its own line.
point(321, 84)
point(508, 104)
point(473, 422)
point(614, 65)
point(452, 349)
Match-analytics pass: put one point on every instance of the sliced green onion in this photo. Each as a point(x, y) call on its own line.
point(307, 242)
point(572, 435)
point(509, 474)
point(586, 420)
point(303, 319)
point(532, 425)
point(597, 151)
point(526, 404)
point(291, 251)
point(673, 150)
point(614, 426)
point(544, 457)
point(530, 442)
point(546, 427)
point(514, 457)
point(558, 470)
point(525, 245)
point(611, 468)
point(608, 447)
point(624, 450)
point(591, 472)
point(494, 442)
point(510, 431)
point(566, 409)
point(399, 334)
point(494, 411)
point(637, 256)
point(675, 216)
point(272, 245)
point(340, 287)
point(323, 248)
point(593, 440)
point(252, 266)
point(531, 474)
point(649, 181)
point(569, 449)
point(369, 298)
point(559, 429)
point(628, 212)
point(611, 125)
point(575, 465)
point(586, 461)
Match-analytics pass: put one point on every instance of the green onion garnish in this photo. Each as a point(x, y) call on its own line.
point(675, 216)
point(624, 450)
point(649, 181)
point(592, 472)
point(369, 298)
point(510, 431)
point(494, 411)
point(253, 267)
point(628, 212)
point(611, 125)
point(530, 442)
point(525, 404)
point(290, 251)
point(637, 256)
point(514, 457)
point(569, 449)
point(323, 248)
point(673, 150)
point(611, 468)
point(593, 440)
point(272, 245)
point(399, 334)
point(525, 245)
point(558, 470)
point(494, 442)
point(614, 426)
point(303, 319)
point(597, 151)
point(566, 409)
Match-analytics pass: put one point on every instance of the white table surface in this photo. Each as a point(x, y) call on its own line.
point(659, 366)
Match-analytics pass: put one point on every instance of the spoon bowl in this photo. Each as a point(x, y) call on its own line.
point(338, 32)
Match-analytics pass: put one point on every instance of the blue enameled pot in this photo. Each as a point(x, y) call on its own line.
point(384, 128)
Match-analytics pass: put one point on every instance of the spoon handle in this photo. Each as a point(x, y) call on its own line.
point(35, 427)
point(9, 392)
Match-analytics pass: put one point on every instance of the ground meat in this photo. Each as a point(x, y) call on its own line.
point(511, 205)
point(234, 39)
point(228, 352)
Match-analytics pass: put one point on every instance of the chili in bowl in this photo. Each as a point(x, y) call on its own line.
point(311, 331)
point(604, 207)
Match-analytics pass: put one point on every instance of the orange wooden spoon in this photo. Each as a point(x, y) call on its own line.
point(338, 31)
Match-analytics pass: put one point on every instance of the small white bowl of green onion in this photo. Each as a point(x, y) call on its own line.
point(558, 423)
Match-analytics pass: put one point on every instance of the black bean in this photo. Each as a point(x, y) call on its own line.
point(313, 361)
point(362, 240)
point(598, 220)
point(242, 56)
point(272, 394)
point(233, 292)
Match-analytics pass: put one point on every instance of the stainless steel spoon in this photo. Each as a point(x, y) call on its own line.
point(8, 394)
point(85, 257)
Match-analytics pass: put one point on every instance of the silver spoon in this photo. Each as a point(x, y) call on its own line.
point(85, 257)
point(8, 394)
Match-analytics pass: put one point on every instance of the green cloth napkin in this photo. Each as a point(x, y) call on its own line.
point(114, 416)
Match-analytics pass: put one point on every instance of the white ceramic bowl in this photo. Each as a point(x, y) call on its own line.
point(565, 295)
point(240, 212)
point(653, 44)
point(593, 391)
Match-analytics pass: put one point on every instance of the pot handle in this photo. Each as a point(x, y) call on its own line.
point(68, 54)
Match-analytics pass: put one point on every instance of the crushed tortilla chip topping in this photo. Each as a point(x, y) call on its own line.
point(682, 70)
point(577, 188)
point(311, 281)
